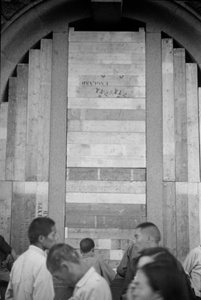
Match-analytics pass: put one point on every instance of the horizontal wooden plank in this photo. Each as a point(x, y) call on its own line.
point(106, 69)
point(107, 47)
point(109, 161)
point(106, 198)
point(98, 233)
point(105, 149)
point(105, 114)
point(106, 138)
point(116, 254)
point(107, 80)
point(83, 186)
point(106, 36)
point(99, 243)
point(106, 91)
point(82, 174)
point(119, 174)
point(98, 209)
point(106, 58)
point(106, 126)
point(106, 103)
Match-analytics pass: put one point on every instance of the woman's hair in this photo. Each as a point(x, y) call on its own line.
point(39, 226)
point(167, 280)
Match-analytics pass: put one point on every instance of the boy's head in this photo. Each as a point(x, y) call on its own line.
point(87, 246)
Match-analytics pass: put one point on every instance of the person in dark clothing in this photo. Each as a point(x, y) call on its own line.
point(7, 257)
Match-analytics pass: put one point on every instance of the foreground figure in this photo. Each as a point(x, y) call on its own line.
point(30, 279)
point(65, 264)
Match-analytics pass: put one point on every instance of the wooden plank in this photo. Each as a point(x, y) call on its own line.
point(107, 47)
point(106, 58)
point(105, 149)
point(97, 233)
point(42, 199)
point(111, 198)
point(169, 213)
point(32, 115)
point(199, 95)
point(193, 215)
point(5, 209)
point(107, 80)
point(11, 130)
point(106, 69)
point(105, 126)
point(168, 111)
point(192, 123)
point(100, 161)
point(3, 138)
point(180, 115)
point(199, 195)
point(89, 186)
point(21, 121)
point(154, 127)
point(123, 174)
point(57, 168)
point(23, 212)
point(109, 103)
point(82, 174)
point(106, 138)
point(99, 243)
point(182, 216)
point(106, 36)
point(44, 110)
point(104, 114)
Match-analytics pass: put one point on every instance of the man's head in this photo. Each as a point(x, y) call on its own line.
point(64, 263)
point(42, 233)
point(87, 246)
point(147, 235)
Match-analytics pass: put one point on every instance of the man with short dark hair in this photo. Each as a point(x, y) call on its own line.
point(65, 264)
point(87, 249)
point(30, 279)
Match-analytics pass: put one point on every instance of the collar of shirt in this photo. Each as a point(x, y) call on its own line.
point(37, 249)
point(86, 277)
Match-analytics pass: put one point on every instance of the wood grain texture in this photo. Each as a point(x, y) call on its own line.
point(42, 199)
point(5, 209)
point(199, 95)
point(168, 111)
point(3, 138)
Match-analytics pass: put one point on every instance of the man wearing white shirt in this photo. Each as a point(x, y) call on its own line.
point(65, 264)
point(30, 278)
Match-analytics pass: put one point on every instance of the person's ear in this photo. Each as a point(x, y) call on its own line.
point(41, 238)
point(65, 265)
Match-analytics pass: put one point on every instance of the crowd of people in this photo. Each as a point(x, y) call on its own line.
point(149, 271)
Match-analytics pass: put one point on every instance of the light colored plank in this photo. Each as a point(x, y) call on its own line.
point(21, 121)
point(116, 254)
point(42, 199)
point(104, 149)
point(83, 186)
point(106, 138)
point(106, 103)
point(96, 233)
point(106, 36)
point(193, 215)
point(44, 110)
point(199, 187)
point(3, 138)
point(180, 115)
point(182, 216)
point(106, 126)
point(32, 115)
point(106, 58)
point(107, 47)
point(105, 92)
point(5, 209)
point(11, 130)
point(168, 111)
point(199, 95)
point(23, 212)
point(105, 198)
point(192, 123)
point(169, 213)
point(107, 80)
point(105, 69)
point(138, 161)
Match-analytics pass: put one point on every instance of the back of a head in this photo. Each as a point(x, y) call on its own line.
point(167, 280)
point(86, 245)
point(39, 226)
point(59, 253)
point(151, 229)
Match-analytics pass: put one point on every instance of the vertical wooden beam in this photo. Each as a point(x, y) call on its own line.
point(3, 138)
point(6, 188)
point(57, 187)
point(154, 129)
